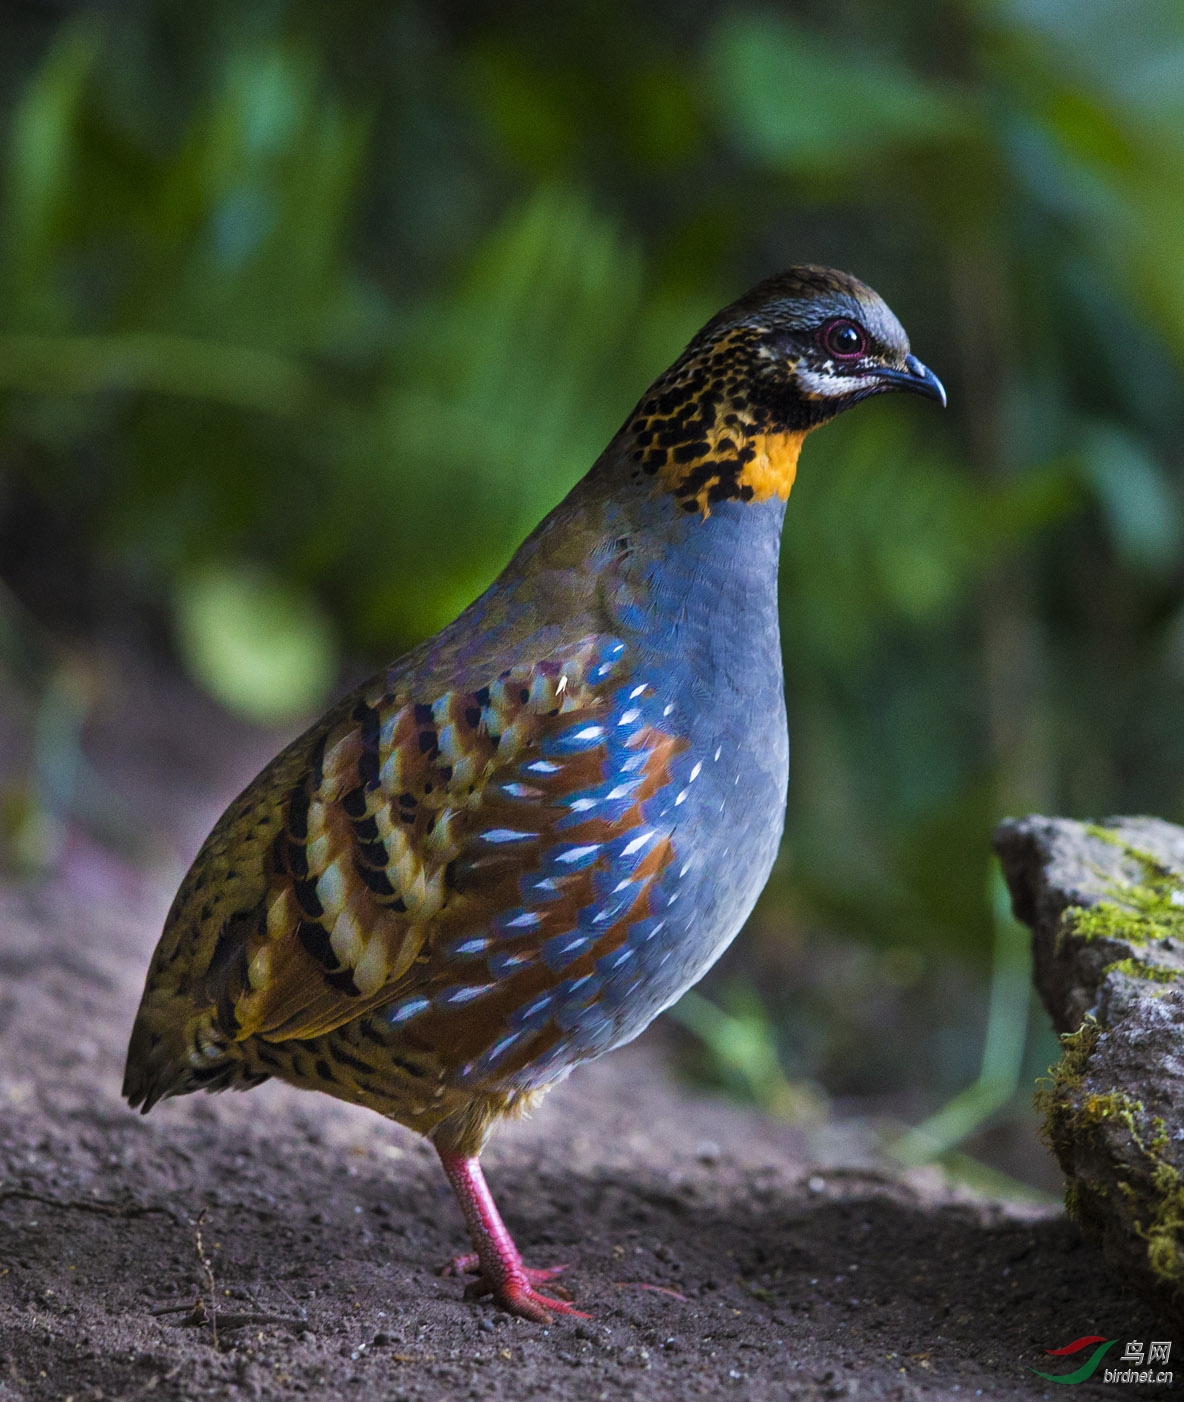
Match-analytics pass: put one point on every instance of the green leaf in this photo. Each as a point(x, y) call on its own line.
point(262, 647)
point(801, 104)
point(41, 164)
point(1141, 506)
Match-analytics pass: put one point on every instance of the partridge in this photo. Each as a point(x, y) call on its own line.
point(508, 852)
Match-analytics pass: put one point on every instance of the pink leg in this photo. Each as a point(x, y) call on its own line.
point(502, 1273)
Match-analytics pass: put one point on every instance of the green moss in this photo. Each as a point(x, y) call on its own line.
point(1114, 1106)
point(1142, 912)
point(1055, 1095)
point(1069, 1072)
point(1153, 1192)
point(1139, 968)
point(1165, 1231)
point(1120, 1179)
point(1134, 919)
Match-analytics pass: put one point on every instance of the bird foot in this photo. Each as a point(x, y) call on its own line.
point(521, 1298)
point(516, 1294)
point(496, 1266)
point(470, 1264)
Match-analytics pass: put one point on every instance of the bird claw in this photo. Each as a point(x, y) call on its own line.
point(517, 1294)
point(470, 1264)
point(467, 1264)
point(521, 1298)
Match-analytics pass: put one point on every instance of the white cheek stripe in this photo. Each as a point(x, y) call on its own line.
point(833, 386)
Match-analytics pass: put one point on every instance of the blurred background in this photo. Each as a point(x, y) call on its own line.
point(308, 313)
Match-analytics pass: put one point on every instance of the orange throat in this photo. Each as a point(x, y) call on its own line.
point(774, 467)
point(753, 469)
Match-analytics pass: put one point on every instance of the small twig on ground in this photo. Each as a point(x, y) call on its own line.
point(301, 1312)
point(645, 1285)
point(197, 1316)
point(100, 1206)
point(208, 1272)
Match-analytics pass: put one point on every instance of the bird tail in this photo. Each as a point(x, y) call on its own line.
point(175, 1050)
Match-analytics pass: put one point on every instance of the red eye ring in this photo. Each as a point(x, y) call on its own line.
point(843, 338)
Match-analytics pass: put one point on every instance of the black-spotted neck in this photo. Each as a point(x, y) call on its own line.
point(719, 425)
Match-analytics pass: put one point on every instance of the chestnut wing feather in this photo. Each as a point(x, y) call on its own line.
point(351, 872)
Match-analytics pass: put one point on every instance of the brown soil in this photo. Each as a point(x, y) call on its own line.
point(279, 1244)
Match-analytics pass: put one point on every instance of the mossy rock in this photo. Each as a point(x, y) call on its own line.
point(1106, 907)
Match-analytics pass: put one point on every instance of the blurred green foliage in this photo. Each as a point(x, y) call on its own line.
point(253, 641)
point(307, 314)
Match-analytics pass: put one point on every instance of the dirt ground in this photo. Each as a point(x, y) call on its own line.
point(278, 1244)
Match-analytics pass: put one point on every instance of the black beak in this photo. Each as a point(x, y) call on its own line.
point(915, 377)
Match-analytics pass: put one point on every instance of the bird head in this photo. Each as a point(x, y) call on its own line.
point(727, 420)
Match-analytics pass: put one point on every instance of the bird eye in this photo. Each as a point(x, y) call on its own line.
point(844, 339)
